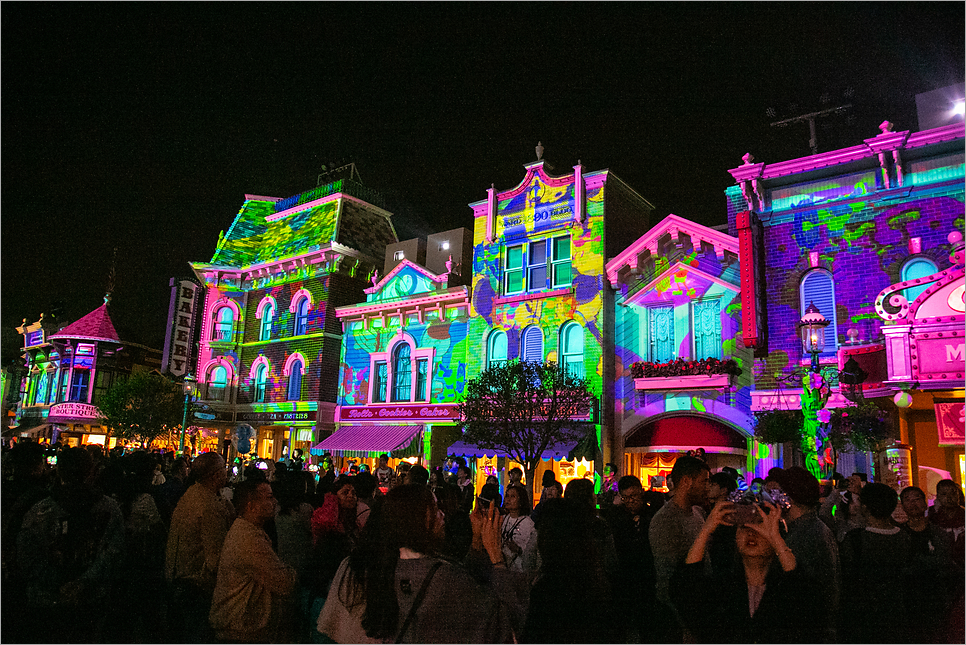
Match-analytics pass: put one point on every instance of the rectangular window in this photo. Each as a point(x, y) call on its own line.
point(398, 255)
point(537, 266)
point(560, 261)
point(422, 375)
point(706, 322)
point(379, 387)
point(513, 270)
point(79, 385)
point(661, 333)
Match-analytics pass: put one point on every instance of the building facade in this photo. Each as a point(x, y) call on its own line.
point(835, 229)
point(684, 376)
point(539, 255)
point(270, 339)
point(68, 370)
point(404, 354)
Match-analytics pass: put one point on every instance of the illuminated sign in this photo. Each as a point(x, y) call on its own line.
point(181, 325)
point(74, 411)
point(950, 422)
point(308, 415)
point(34, 338)
point(940, 357)
point(440, 412)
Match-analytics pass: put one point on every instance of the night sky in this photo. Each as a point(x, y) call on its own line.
point(141, 126)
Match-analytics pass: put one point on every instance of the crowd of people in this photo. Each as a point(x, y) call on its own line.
point(141, 547)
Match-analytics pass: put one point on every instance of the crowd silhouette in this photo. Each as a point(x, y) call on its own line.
point(138, 546)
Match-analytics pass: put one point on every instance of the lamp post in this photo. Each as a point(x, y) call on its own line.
point(815, 393)
point(189, 386)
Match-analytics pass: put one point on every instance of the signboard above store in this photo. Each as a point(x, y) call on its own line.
point(272, 417)
point(74, 411)
point(950, 422)
point(442, 412)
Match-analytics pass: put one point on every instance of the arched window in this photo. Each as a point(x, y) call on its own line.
point(261, 376)
point(572, 349)
point(402, 376)
point(265, 331)
point(224, 323)
point(496, 348)
point(916, 267)
point(218, 383)
point(302, 317)
point(817, 287)
point(295, 381)
point(532, 344)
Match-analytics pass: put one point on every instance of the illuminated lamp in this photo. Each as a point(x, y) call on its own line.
point(811, 329)
point(188, 385)
point(959, 108)
point(902, 400)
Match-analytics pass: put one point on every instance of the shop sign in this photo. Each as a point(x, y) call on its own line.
point(261, 417)
point(949, 419)
point(941, 356)
point(181, 323)
point(74, 411)
point(440, 412)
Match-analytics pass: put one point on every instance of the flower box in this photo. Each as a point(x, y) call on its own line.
point(710, 382)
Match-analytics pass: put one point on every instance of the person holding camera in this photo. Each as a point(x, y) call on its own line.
point(759, 602)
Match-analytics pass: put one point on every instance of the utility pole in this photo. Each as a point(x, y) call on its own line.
point(813, 137)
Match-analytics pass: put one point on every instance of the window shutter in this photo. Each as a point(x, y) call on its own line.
point(818, 288)
point(533, 345)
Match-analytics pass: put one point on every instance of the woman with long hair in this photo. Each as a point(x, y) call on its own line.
point(394, 587)
point(517, 529)
point(766, 600)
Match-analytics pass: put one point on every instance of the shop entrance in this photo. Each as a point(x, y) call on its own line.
point(651, 449)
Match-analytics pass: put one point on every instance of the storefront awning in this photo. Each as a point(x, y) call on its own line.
point(367, 441)
point(554, 451)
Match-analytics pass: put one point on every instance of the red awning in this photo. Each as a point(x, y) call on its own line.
point(365, 441)
point(687, 431)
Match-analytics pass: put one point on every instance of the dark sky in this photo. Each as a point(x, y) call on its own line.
point(141, 126)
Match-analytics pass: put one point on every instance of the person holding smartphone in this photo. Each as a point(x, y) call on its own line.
point(758, 602)
point(517, 529)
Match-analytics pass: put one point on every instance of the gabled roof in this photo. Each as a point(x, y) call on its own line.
point(678, 281)
point(96, 325)
point(382, 283)
point(673, 225)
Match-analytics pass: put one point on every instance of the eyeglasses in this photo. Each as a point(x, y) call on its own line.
point(633, 496)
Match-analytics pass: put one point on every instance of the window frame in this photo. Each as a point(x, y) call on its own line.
point(302, 316)
point(911, 293)
point(566, 357)
point(526, 337)
point(260, 384)
point(650, 349)
point(490, 342)
point(218, 334)
point(694, 329)
point(387, 358)
point(551, 265)
point(831, 332)
point(265, 325)
point(296, 369)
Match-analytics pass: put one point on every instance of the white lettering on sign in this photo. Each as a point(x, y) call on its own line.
point(75, 410)
point(955, 353)
point(443, 411)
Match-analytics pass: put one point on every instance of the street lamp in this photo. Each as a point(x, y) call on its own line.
point(815, 393)
point(189, 386)
point(811, 329)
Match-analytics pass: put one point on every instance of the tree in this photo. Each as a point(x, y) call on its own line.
point(522, 408)
point(142, 407)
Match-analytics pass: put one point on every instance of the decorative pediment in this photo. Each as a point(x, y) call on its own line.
point(679, 283)
point(632, 258)
point(942, 301)
point(405, 280)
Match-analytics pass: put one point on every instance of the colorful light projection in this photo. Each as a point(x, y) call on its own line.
point(541, 208)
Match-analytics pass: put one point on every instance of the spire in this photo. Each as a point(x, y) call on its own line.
point(539, 150)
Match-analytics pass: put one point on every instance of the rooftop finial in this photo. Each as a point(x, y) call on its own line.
point(886, 127)
point(107, 298)
point(449, 264)
point(748, 158)
point(539, 150)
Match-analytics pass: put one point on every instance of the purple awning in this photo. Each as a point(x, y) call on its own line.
point(371, 440)
point(554, 451)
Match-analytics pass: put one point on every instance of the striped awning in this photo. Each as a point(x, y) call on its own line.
point(368, 441)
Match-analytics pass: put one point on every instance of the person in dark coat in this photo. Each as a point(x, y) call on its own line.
point(767, 601)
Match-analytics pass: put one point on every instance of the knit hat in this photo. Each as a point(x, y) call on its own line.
point(798, 484)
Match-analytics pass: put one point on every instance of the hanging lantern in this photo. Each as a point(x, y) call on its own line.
point(811, 329)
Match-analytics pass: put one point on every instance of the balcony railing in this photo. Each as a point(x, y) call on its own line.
point(347, 186)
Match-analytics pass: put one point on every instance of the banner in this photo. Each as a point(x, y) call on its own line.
point(949, 420)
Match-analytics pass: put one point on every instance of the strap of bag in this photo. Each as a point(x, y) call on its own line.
point(418, 600)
